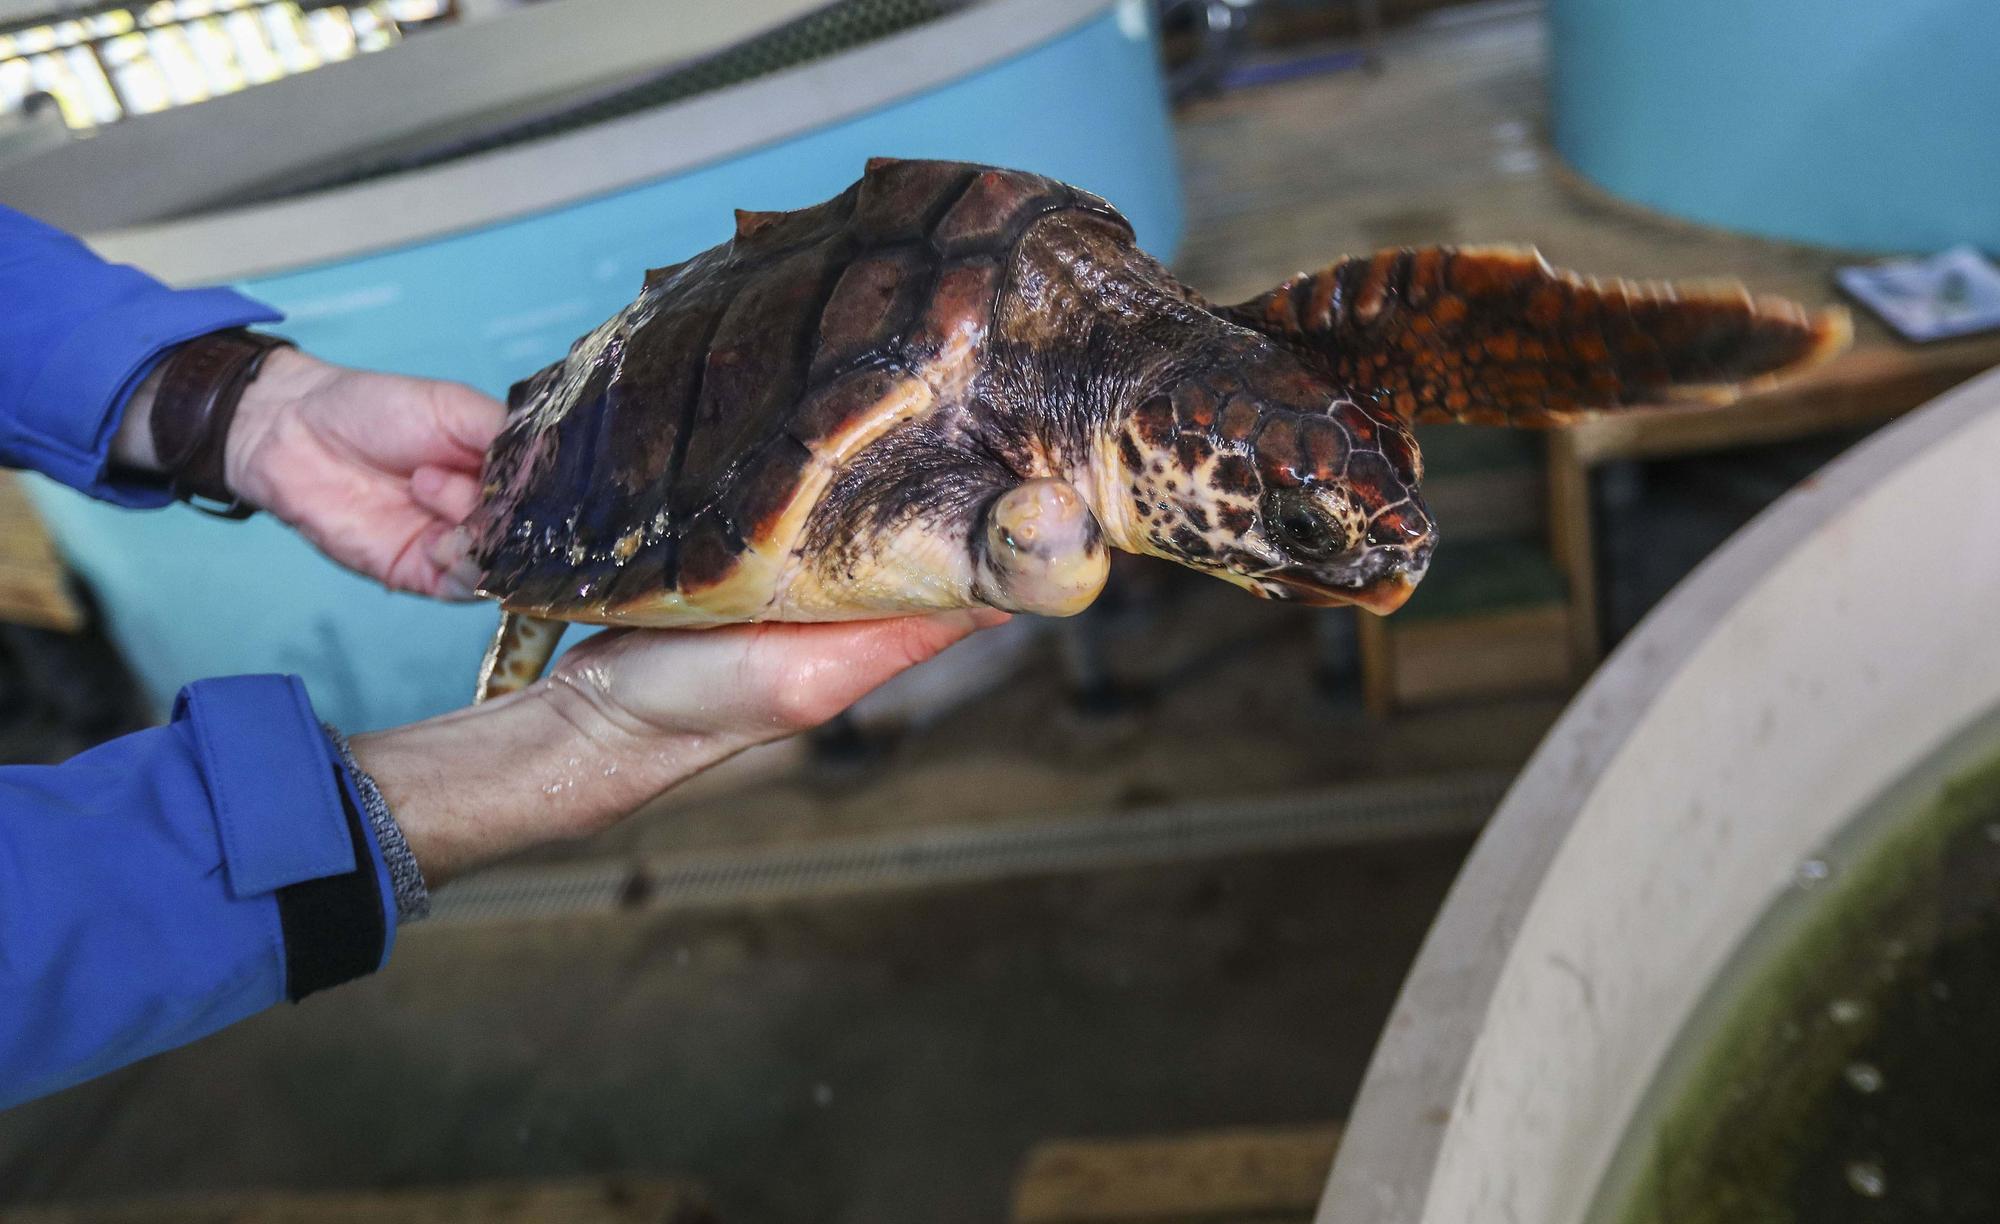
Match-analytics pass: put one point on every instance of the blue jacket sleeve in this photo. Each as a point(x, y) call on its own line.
point(171, 882)
point(77, 336)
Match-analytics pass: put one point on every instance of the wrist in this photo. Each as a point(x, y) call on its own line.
point(530, 769)
point(181, 420)
point(132, 445)
point(612, 760)
point(286, 378)
point(406, 878)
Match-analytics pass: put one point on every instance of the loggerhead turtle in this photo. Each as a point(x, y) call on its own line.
point(954, 385)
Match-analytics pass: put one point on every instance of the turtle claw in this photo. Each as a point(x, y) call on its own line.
point(1042, 551)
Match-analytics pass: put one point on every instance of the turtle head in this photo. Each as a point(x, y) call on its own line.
point(1291, 491)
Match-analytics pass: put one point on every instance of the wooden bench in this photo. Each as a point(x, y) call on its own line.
point(613, 1200)
point(1878, 380)
point(1491, 620)
point(34, 584)
point(1267, 1175)
point(1492, 617)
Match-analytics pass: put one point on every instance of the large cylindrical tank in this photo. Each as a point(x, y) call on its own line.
point(485, 267)
point(1850, 123)
point(1822, 656)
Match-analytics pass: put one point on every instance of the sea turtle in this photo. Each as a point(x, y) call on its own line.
point(954, 385)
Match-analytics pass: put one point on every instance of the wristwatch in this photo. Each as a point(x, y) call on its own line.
point(200, 386)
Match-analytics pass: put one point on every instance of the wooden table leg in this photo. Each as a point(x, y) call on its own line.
point(1573, 541)
point(1377, 659)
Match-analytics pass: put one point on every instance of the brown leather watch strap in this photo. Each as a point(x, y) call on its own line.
point(201, 384)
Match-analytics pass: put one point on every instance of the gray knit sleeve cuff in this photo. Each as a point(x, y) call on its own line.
point(413, 896)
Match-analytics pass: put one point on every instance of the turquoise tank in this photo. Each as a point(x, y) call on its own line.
point(187, 596)
point(1864, 124)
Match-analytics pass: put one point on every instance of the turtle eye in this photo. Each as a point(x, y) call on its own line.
point(1300, 525)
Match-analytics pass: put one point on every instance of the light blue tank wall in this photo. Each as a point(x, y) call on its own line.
point(189, 597)
point(1870, 124)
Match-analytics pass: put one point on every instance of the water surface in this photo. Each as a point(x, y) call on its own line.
point(1846, 1068)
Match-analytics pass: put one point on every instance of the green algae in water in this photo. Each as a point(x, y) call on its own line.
point(1846, 1068)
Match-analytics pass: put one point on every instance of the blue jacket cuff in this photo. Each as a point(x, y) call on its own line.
point(378, 865)
point(263, 755)
point(73, 406)
point(263, 752)
point(172, 881)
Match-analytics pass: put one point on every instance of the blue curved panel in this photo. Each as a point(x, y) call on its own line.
point(1852, 123)
point(189, 597)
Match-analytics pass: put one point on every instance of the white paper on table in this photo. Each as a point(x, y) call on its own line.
point(1952, 293)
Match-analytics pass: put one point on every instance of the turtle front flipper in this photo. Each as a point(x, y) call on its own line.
point(521, 649)
point(959, 535)
point(1493, 335)
point(1041, 551)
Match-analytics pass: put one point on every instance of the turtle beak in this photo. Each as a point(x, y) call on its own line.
point(1389, 594)
point(1378, 578)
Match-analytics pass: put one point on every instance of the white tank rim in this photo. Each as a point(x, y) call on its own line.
point(236, 244)
point(1509, 1068)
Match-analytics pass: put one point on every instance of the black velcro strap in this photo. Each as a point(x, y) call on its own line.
point(333, 925)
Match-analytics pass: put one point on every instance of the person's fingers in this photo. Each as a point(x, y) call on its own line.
point(410, 568)
point(760, 680)
point(450, 495)
point(807, 678)
point(867, 652)
point(465, 417)
point(451, 553)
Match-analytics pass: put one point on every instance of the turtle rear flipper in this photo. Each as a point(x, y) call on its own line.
point(521, 649)
point(1494, 335)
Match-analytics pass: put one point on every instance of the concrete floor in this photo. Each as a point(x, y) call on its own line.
point(880, 1059)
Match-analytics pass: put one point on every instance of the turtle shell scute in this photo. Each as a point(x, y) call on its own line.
point(872, 307)
point(768, 484)
point(900, 202)
point(833, 410)
point(687, 427)
point(709, 549)
point(987, 209)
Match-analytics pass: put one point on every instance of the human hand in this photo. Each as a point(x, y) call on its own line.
point(748, 683)
point(376, 470)
point(623, 717)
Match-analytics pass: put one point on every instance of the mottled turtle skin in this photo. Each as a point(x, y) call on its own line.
point(955, 385)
